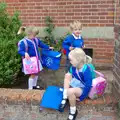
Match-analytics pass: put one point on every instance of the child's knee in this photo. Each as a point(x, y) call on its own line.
point(70, 92)
point(32, 76)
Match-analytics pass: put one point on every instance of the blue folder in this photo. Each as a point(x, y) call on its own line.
point(52, 97)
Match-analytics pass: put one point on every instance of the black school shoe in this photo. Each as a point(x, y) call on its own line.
point(72, 116)
point(62, 106)
point(37, 88)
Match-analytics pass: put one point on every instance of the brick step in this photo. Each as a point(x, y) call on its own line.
point(109, 87)
point(109, 77)
point(24, 104)
point(34, 96)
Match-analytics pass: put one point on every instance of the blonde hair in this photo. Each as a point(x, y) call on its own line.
point(21, 30)
point(79, 55)
point(31, 30)
point(88, 59)
point(76, 25)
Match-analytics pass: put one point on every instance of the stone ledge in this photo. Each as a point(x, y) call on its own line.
point(33, 97)
point(104, 100)
point(20, 96)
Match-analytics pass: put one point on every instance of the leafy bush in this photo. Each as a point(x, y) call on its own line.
point(49, 38)
point(9, 58)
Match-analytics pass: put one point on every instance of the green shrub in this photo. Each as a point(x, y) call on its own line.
point(9, 58)
point(49, 37)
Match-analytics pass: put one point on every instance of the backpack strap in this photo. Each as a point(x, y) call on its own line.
point(36, 39)
point(26, 45)
point(98, 73)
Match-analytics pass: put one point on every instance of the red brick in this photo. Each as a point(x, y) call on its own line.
point(108, 99)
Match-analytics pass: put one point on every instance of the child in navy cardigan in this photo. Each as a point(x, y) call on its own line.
point(28, 52)
point(73, 40)
point(77, 82)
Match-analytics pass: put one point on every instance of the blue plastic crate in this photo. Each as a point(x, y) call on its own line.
point(51, 59)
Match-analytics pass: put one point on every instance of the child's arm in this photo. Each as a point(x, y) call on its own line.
point(42, 45)
point(66, 43)
point(88, 83)
point(83, 45)
point(21, 48)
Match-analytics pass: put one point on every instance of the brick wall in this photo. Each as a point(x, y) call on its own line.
point(102, 51)
point(116, 69)
point(92, 13)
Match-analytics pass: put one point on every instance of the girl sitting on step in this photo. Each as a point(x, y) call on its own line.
point(77, 82)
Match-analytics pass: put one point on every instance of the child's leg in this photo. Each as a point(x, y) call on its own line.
point(30, 82)
point(35, 86)
point(73, 93)
point(35, 80)
point(67, 79)
point(67, 65)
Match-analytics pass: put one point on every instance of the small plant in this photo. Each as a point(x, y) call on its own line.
point(49, 38)
point(9, 59)
point(58, 43)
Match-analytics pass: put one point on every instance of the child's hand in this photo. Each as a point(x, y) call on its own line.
point(83, 46)
point(51, 48)
point(27, 56)
point(71, 48)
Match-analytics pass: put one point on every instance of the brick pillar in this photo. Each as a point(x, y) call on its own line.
point(116, 67)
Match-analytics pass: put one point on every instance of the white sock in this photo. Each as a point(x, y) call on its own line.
point(73, 110)
point(30, 83)
point(35, 81)
point(65, 94)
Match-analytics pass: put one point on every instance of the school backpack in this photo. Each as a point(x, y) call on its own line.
point(30, 66)
point(98, 83)
point(98, 86)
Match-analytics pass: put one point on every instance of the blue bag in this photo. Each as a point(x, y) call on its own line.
point(52, 97)
point(51, 59)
